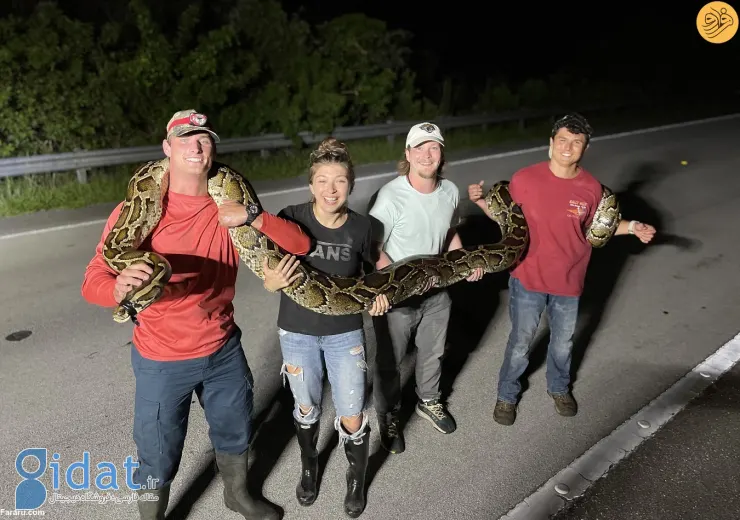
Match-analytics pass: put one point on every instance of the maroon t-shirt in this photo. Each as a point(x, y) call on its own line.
point(558, 211)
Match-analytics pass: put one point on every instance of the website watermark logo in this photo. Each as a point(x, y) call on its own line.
point(31, 493)
point(717, 22)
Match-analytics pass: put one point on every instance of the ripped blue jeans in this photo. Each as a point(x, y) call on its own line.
point(346, 366)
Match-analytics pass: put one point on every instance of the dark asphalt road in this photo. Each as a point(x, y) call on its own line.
point(689, 470)
point(652, 315)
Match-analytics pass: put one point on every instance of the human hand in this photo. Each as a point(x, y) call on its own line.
point(475, 191)
point(645, 232)
point(381, 305)
point(282, 276)
point(130, 278)
point(232, 213)
point(475, 194)
point(477, 275)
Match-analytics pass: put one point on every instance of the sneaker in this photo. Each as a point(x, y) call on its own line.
point(391, 437)
point(434, 411)
point(504, 413)
point(565, 405)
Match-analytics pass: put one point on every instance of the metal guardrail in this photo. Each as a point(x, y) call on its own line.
point(83, 160)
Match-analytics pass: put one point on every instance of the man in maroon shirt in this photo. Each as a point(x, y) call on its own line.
point(558, 198)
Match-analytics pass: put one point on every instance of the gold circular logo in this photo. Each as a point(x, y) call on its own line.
point(717, 22)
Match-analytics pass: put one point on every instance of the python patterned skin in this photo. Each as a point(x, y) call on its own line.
point(325, 294)
point(140, 213)
point(606, 219)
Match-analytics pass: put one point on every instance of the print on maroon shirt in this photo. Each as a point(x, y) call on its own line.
point(557, 211)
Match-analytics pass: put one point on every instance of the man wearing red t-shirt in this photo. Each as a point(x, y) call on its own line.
point(187, 341)
point(558, 198)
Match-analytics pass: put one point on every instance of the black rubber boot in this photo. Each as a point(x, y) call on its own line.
point(308, 438)
point(150, 509)
point(357, 454)
point(233, 470)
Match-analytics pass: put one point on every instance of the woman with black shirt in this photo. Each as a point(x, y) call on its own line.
point(341, 246)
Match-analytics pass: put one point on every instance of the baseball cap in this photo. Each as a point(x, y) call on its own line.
point(186, 121)
point(424, 132)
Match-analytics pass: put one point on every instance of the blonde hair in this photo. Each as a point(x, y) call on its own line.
point(403, 167)
point(331, 151)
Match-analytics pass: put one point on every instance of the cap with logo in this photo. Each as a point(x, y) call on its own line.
point(424, 132)
point(188, 121)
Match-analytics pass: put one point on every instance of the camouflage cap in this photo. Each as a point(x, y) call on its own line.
point(187, 121)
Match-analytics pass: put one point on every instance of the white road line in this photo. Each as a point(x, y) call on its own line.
point(573, 481)
point(523, 151)
point(54, 228)
point(366, 178)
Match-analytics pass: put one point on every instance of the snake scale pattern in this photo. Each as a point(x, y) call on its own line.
point(323, 293)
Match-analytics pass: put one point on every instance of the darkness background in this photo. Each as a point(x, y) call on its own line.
point(466, 57)
point(469, 41)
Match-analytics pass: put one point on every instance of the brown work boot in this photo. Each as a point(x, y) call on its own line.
point(565, 405)
point(504, 413)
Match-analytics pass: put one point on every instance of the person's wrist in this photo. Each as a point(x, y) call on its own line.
point(253, 211)
point(631, 227)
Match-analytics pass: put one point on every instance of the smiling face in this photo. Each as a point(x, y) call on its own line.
point(567, 148)
point(330, 186)
point(424, 159)
point(190, 154)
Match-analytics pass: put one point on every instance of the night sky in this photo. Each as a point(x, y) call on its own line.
point(526, 39)
point(472, 40)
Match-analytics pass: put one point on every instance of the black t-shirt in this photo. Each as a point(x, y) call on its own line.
point(344, 251)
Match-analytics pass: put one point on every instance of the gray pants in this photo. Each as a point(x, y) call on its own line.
point(428, 317)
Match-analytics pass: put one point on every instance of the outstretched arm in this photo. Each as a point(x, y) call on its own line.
point(286, 234)
point(645, 232)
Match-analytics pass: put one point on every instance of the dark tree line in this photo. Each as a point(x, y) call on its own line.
point(90, 74)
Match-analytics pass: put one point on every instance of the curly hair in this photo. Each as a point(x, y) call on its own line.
point(332, 151)
point(574, 123)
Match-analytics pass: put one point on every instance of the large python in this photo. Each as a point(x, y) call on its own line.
point(606, 219)
point(323, 293)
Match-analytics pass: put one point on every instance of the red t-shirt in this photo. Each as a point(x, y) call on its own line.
point(195, 316)
point(558, 211)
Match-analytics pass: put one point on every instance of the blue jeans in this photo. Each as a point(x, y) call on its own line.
point(164, 389)
point(344, 355)
point(525, 309)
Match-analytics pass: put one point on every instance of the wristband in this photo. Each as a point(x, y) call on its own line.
point(631, 227)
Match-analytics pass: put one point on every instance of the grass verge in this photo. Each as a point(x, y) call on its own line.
point(41, 192)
